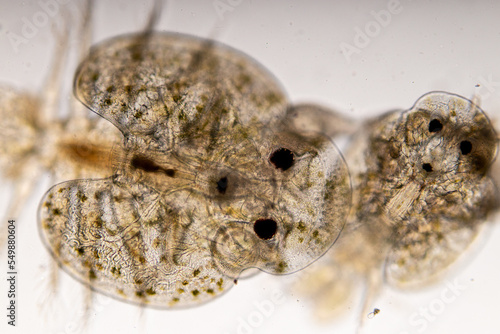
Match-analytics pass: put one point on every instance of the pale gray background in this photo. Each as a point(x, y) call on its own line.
point(429, 45)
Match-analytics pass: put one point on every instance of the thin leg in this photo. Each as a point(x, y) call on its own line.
point(52, 87)
point(88, 303)
point(47, 303)
point(22, 191)
point(154, 16)
point(78, 113)
point(372, 289)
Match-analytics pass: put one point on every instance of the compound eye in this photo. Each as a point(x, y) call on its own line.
point(222, 185)
point(282, 158)
point(435, 125)
point(427, 167)
point(265, 228)
point(465, 147)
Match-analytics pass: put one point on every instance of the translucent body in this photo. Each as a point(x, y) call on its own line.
point(211, 181)
point(421, 191)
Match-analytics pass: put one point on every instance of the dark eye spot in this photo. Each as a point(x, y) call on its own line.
point(144, 163)
point(222, 185)
point(169, 172)
point(465, 147)
point(265, 228)
point(282, 158)
point(435, 126)
point(149, 166)
point(427, 167)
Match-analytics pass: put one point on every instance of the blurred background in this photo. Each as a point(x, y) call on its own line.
point(361, 58)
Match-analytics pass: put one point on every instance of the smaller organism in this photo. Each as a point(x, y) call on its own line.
point(422, 190)
point(373, 313)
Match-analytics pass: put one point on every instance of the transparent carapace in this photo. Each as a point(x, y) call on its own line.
point(210, 179)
